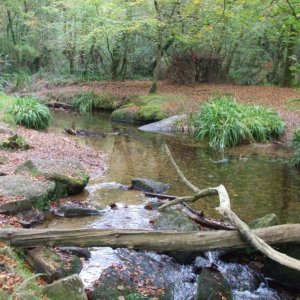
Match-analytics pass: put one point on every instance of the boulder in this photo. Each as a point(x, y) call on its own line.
point(149, 185)
point(19, 193)
point(52, 263)
point(212, 285)
point(71, 211)
point(265, 221)
point(139, 273)
point(177, 221)
point(165, 125)
point(70, 287)
point(69, 176)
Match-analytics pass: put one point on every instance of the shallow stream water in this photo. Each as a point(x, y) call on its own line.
point(257, 185)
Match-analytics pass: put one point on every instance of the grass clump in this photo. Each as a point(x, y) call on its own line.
point(226, 123)
point(90, 101)
point(30, 113)
point(296, 147)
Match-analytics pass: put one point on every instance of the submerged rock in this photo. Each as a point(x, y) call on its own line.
point(69, 176)
point(71, 211)
point(20, 193)
point(265, 221)
point(70, 287)
point(212, 285)
point(177, 221)
point(54, 266)
point(149, 185)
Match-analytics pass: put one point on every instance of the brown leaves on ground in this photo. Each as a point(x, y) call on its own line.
point(8, 281)
point(6, 221)
point(49, 145)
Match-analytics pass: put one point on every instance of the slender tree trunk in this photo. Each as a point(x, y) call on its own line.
point(10, 26)
point(287, 75)
point(153, 88)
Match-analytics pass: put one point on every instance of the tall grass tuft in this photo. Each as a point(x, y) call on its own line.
point(296, 147)
point(30, 113)
point(90, 101)
point(226, 123)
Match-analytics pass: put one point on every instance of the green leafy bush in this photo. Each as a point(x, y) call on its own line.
point(30, 113)
point(296, 147)
point(90, 101)
point(226, 123)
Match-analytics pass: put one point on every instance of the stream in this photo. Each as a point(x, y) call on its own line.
point(257, 185)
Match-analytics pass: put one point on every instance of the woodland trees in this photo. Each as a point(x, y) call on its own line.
point(257, 42)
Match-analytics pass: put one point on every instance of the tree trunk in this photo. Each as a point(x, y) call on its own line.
point(153, 88)
point(146, 239)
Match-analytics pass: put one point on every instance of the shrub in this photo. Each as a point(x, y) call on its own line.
point(89, 101)
point(30, 113)
point(226, 123)
point(296, 147)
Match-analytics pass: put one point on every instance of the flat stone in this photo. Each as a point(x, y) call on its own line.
point(149, 185)
point(70, 211)
point(70, 287)
point(19, 193)
point(165, 125)
point(70, 177)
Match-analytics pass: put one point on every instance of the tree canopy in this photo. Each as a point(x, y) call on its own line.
point(256, 42)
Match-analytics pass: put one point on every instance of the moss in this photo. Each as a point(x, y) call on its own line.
point(15, 142)
point(151, 108)
point(3, 160)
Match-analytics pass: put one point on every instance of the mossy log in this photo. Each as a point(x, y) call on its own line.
point(146, 239)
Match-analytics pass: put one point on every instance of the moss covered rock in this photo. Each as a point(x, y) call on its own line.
point(147, 109)
point(19, 193)
point(15, 142)
point(70, 287)
point(52, 263)
point(149, 185)
point(69, 176)
point(265, 221)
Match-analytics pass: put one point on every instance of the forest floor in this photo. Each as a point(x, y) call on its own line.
point(286, 101)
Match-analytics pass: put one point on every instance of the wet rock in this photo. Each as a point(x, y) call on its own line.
point(165, 125)
point(149, 185)
point(241, 277)
point(69, 176)
point(51, 263)
point(15, 142)
point(280, 273)
point(175, 220)
point(78, 251)
point(212, 285)
point(139, 273)
point(267, 220)
point(20, 193)
point(71, 211)
point(30, 218)
point(70, 287)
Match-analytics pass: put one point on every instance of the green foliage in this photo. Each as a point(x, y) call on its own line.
point(30, 113)
point(296, 147)
point(90, 101)
point(226, 123)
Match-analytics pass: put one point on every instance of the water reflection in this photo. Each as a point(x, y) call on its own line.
point(256, 185)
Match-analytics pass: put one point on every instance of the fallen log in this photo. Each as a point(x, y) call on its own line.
point(146, 239)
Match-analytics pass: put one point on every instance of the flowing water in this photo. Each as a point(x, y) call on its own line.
point(257, 185)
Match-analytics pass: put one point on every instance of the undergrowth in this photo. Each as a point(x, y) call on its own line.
point(296, 147)
point(90, 101)
point(30, 113)
point(226, 123)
